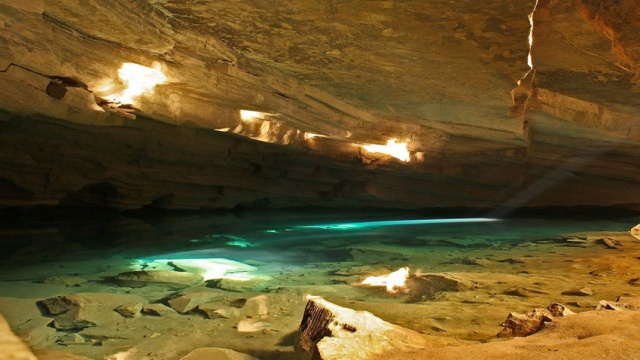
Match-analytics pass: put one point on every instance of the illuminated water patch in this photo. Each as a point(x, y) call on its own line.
point(212, 268)
point(368, 224)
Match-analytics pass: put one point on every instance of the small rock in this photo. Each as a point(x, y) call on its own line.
point(609, 243)
point(527, 324)
point(157, 310)
point(129, 311)
point(187, 302)
point(585, 291)
point(217, 310)
point(605, 305)
point(80, 310)
point(634, 282)
point(174, 280)
point(249, 325)
point(72, 339)
point(635, 231)
point(216, 353)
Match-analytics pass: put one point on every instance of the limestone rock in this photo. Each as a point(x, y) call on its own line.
point(157, 310)
point(72, 339)
point(217, 354)
point(217, 310)
point(174, 280)
point(187, 302)
point(425, 286)
point(12, 347)
point(80, 310)
point(635, 231)
point(622, 303)
point(332, 332)
point(129, 311)
point(530, 323)
point(254, 284)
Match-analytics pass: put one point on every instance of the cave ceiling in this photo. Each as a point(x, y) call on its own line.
point(530, 103)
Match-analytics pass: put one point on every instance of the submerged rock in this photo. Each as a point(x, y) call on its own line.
point(81, 310)
point(129, 311)
point(332, 332)
point(217, 310)
point(254, 284)
point(187, 302)
point(585, 291)
point(526, 324)
point(174, 280)
point(425, 286)
point(157, 310)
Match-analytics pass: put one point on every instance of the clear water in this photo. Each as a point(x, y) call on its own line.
point(307, 253)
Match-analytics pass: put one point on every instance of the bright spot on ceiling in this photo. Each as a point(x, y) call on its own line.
point(391, 281)
point(137, 80)
point(248, 115)
point(393, 148)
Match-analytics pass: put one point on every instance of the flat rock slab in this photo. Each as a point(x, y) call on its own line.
point(174, 280)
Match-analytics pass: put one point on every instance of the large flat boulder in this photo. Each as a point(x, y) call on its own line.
point(174, 280)
point(332, 332)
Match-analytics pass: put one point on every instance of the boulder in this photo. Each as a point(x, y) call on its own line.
point(332, 332)
point(80, 310)
point(530, 323)
point(174, 280)
point(216, 353)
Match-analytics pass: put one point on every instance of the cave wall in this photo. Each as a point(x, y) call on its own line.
point(442, 77)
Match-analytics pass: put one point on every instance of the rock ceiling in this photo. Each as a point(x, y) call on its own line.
point(449, 78)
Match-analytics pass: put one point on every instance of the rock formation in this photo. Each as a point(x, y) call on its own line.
point(332, 332)
point(321, 80)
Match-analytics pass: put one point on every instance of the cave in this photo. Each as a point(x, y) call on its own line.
point(245, 179)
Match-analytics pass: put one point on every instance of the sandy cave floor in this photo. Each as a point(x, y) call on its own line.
point(515, 266)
